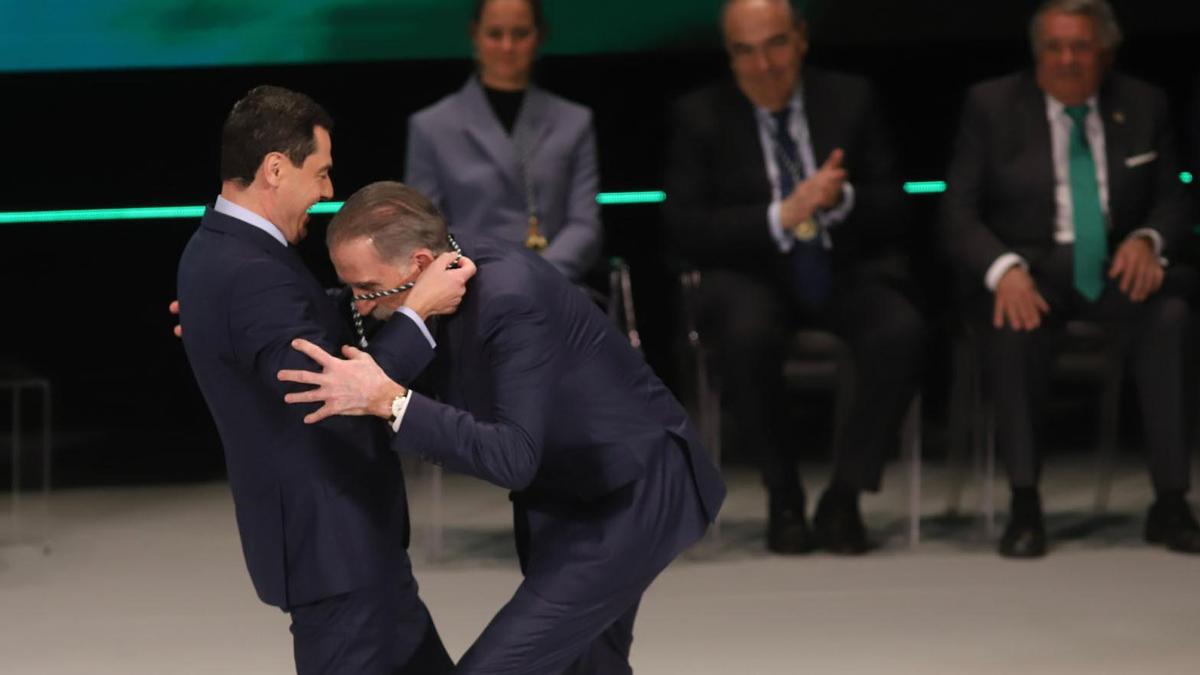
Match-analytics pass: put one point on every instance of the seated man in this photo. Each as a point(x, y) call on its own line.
point(1064, 201)
point(539, 393)
point(782, 189)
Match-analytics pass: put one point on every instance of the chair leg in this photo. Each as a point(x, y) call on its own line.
point(15, 520)
point(709, 408)
point(47, 466)
point(989, 476)
point(1106, 455)
point(911, 439)
point(961, 423)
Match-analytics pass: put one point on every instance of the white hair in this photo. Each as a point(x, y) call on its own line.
point(1099, 11)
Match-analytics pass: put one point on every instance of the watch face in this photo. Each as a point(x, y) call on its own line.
point(806, 231)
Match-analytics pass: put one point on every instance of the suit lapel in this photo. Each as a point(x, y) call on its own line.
point(823, 132)
point(485, 132)
point(1035, 127)
point(746, 145)
point(1112, 115)
point(534, 121)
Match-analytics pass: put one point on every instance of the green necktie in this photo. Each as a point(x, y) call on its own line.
point(1091, 245)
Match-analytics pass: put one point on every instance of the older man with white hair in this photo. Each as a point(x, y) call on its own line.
point(1064, 202)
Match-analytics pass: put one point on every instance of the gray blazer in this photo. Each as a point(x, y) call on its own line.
point(462, 159)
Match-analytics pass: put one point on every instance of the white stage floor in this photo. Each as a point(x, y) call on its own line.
point(150, 581)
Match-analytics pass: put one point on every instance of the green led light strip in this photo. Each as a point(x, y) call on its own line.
point(647, 197)
point(169, 212)
point(926, 187)
point(148, 213)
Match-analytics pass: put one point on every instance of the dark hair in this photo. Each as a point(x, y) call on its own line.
point(269, 119)
point(535, 8)
point(396, 218)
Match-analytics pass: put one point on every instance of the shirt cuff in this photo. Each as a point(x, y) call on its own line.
point(783, 239)
point(400, 410)
point(830, 217)
point(999, 267)
point(410, 313)
point(1155, 239)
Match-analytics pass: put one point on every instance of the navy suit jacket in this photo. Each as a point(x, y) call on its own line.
point(541, 394)
point(1000, 184)
point(320, 508)
point(462, 159)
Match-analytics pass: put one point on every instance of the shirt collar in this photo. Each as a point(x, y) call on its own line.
point(796, 103)
point(1055, 108)
point(249, 217)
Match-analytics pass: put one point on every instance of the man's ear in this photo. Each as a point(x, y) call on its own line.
point(802, 38)
point(423, 257)
point(272, 167)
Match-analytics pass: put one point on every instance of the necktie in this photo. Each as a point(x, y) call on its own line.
point(809, 261)
point(1091, 245)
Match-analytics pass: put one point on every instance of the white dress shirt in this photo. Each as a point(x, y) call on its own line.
point(250, 218)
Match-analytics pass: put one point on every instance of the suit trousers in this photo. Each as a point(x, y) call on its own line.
point(1151, 334)
point(370, 631)
point(752, 319)
point(586, 566)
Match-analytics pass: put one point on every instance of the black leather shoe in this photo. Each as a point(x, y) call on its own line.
point(1025, 535)
point(839, 526)
point(787, 528)
point(1170, 523)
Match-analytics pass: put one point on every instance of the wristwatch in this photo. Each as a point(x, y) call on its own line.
point(399, 405)
point(806, 230)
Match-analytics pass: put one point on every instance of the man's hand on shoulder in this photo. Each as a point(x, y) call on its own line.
point(355, 385)
point(439, 289)
point(1138, 268)
point(1018, 303)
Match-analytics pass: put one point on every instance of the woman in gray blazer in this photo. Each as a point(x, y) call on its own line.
point(501, 156)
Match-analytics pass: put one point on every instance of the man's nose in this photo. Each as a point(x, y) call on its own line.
point(760, 60)
point(365, 307)
point(327, 189)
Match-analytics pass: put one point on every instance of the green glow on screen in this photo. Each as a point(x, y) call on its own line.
point(172, 212)
point(113, 34)
point(922, 187)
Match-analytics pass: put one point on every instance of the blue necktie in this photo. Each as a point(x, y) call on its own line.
point(809, 260)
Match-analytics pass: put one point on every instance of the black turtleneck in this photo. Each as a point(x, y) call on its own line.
point(505, 105)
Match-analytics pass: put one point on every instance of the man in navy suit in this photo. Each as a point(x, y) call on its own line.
point(1064, 202)
point(539, 393)
point(321, 509)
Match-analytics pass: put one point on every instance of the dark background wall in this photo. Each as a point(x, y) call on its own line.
point(85, 303)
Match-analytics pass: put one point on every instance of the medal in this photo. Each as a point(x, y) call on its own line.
point(534, 239)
